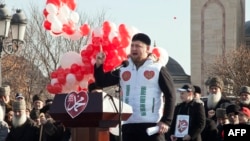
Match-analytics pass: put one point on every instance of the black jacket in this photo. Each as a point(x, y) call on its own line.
point(197, 119)
point(27, 132)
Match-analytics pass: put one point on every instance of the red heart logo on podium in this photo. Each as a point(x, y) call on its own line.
point(183, 124)
point(75, 103)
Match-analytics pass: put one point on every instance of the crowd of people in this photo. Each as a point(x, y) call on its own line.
point(20, 123)
point(148, 88)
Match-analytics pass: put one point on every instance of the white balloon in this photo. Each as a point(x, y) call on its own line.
point(51, 8)
point(163, 59)
point(70, 79)
point(98, 32)
point(76, 36)
point(64, 10)
point(70, 58)
point(84, 83)
point(74, 16)
point(51, 17)
point(56, 26)
point(62, 18)
point(53, 81)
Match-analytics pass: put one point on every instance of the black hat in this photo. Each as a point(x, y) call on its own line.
point(197, 89)
point(186, 88)
point(221, 113)
point(233, 109)
point(37, 97)
point(142, 37)
point(45, 108)
point(34, 114)
point(19, 95)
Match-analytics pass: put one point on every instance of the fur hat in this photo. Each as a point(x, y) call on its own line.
point(5, 90)
point(221, 113)
point(216, 81)
point(19, 105)
point(37, 97)
point(142, 37)
point(245, 89)
point(233, 109)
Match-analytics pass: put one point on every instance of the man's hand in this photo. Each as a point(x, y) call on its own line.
point(100, 57)
point(163, 128)
point(211, 113)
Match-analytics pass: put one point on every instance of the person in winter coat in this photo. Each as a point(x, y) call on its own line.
point(24, 129)
point(191, 127)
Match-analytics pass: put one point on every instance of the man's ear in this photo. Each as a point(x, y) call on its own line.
point(148, 49)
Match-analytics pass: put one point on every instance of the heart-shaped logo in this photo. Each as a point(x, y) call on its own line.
point(126, 75)
point(75, 103)
point(149, 74)
point(183, 125)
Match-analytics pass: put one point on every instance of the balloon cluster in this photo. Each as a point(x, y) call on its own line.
point(76, 70)
point(62, 20)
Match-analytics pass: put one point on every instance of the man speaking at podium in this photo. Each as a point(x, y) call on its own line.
point(146, 86)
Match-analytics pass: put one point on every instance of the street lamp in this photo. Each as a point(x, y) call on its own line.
point(18, 23)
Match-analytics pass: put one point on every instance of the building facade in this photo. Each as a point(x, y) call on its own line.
point(217, 26)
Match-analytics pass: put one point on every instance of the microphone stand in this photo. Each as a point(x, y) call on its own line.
point(120, 111)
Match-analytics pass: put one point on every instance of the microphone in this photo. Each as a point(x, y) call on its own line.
point(123, 64)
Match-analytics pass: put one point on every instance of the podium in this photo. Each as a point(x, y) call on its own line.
point(100, 113)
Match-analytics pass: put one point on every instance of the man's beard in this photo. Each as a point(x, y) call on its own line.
point(213, 100)
point(19, 121)
point(245, 102)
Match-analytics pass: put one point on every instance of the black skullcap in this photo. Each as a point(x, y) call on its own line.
point(142, 37)
point(197, 89)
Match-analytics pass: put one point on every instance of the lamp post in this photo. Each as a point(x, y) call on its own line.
point(16, 25)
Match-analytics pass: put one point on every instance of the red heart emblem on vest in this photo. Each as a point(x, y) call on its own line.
point(126, 75)
point(75, 103)
point(183, 124)
point(149, 74)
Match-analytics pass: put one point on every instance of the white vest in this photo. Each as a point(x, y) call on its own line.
point(140, 89)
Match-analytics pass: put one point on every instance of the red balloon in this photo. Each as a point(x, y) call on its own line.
point(74, 68)
point(85, 29)
point(124, 42)
point(156, 52)
point(70, 3)
point(123, 30)
point(61, 78)
point(53, 74)
point(79, 75)
point(55, 2)
point(45, 12)
point(47, 25)
point(116, 42)
point(57, 88)
point(69, 29)
point(106, 28)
